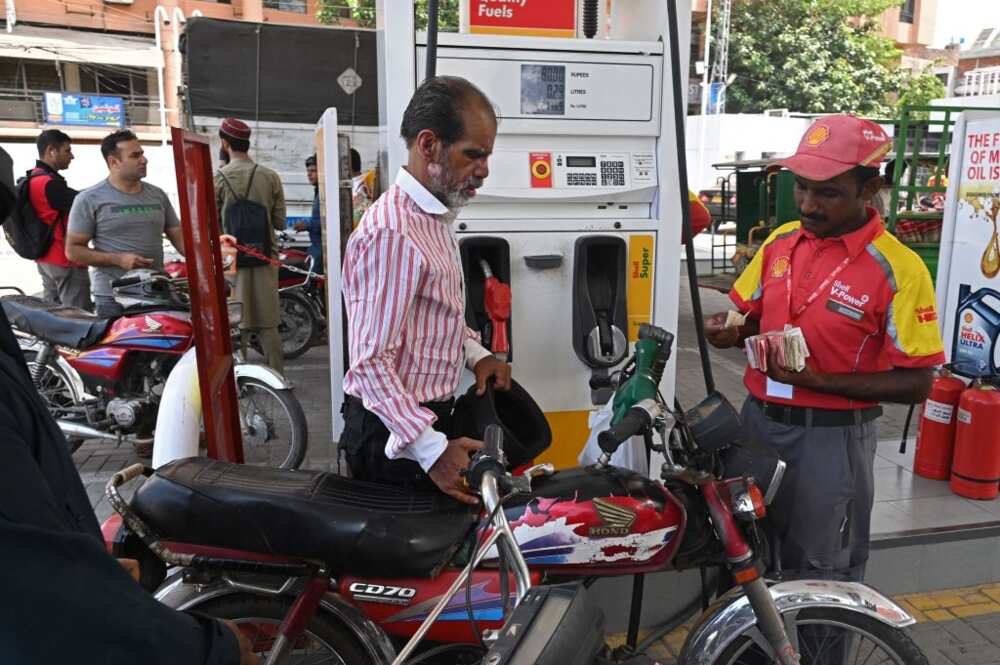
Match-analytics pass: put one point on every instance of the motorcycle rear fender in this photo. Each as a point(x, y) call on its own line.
point(32, 344)
point(733, 615)
point(182, 596)
point(262, 373)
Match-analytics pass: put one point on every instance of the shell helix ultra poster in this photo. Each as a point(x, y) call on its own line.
point(971, 307)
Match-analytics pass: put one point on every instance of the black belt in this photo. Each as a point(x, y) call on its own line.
point(803, 416)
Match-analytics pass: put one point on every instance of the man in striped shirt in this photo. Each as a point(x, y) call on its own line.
point(405, 298)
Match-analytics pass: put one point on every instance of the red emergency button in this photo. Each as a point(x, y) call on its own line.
point(541, 169)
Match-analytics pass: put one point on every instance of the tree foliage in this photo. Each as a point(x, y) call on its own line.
point(814, 56)
point(332, 12)
point(920, 89)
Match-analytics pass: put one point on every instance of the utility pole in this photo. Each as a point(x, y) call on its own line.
point(720, 68)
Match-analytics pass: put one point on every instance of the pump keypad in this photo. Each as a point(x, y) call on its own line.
point(581, 179)
point(613, 174)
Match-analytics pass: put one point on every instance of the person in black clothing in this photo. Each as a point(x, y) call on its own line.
point(64, 282)
point(65, 600)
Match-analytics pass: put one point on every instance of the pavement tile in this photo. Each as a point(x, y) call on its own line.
point(962, 632)
point(940, 615)
point(988, 626)
point(973, 654)
point(976, 609)
point(948, 599)
point(922, 601)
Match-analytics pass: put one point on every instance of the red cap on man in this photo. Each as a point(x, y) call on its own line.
point(236, 129)
point(836, 144)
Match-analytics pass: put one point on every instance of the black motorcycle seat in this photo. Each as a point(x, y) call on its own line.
point(66, 326)
point(356, 528)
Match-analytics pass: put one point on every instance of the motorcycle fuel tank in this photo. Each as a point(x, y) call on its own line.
point(596, 520)
point(156, 331)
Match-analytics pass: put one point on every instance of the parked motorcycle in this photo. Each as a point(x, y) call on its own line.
point(301, 298)
point(103, 378)
point(319, 568)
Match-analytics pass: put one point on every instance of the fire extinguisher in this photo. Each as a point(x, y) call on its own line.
point(975, 468)
point(936, 432)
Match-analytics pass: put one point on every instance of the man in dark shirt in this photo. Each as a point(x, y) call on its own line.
point(65, 599)
point(64, 282)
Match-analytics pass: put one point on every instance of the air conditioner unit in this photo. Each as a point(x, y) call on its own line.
point(776, 113)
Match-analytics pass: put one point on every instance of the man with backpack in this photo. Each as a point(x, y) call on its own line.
point(125, 219)
point(251, 205)
point(50, 198)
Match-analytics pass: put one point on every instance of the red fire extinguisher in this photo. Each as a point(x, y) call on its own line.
point(975, 468)
point(936, 432)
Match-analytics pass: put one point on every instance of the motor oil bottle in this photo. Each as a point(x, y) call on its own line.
point(977, 329)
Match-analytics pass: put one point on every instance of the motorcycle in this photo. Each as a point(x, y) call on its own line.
point(315, 566)
point(104, 378)
point(301, 298)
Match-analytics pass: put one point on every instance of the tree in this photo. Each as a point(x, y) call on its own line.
point(332, 12)
point(920, 89)
point(814, 56)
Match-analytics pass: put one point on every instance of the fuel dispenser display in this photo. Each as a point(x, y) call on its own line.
point(577, 216)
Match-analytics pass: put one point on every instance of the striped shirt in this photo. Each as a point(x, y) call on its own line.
point(405, 298)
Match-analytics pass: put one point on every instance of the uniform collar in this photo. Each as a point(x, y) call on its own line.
point(416, 191)
point(39, 164)
point(855, 241)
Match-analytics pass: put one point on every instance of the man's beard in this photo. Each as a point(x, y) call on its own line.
point(445, 190)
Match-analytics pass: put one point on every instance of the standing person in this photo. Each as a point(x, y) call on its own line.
point(125, 219)
point(361, 196)
point(315, 224)
point(64, 282)
point(55, 563)
point(865, 304)
point(405, 299)
point(256, 286)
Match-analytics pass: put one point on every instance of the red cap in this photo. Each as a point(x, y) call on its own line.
point(836, 144)
point(236, 129)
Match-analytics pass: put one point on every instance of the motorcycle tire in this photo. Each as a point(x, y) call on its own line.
point(322, 632)
point(868, 636)
point(298, 327)
point(56, 390)
point(259, 429)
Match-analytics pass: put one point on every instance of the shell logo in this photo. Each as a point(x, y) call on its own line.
point(780, 266)
point(968, 317)
point(817, 135)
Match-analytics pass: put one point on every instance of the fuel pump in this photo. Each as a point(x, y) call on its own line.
point(580, 216)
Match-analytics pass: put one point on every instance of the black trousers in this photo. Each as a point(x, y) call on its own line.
point(364, 439)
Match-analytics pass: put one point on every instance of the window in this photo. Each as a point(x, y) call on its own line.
point(297, 6)
point(906, 11)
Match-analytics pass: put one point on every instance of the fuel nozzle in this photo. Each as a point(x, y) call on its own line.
point(496, 299)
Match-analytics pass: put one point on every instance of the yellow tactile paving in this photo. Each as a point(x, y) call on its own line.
point(949, 604)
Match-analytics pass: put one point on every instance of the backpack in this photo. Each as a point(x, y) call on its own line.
point(26, 233)
point(247, 221)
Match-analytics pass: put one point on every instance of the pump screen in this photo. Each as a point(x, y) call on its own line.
point(543, 89)
point(581, 162)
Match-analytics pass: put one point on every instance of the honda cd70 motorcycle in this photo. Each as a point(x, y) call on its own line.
point(318, 568)
point(103, 378)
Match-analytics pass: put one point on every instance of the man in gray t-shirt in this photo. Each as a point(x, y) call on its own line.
point(123, 218)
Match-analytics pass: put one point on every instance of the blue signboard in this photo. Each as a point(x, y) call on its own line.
point(70, 108)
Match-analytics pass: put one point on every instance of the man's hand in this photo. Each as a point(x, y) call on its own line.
point(128, 261)
point(807, 378)
point(447, 470)
point(247, 656)
point(131, 567)
point(718, 335)
point(300, 226)
point(488, 367)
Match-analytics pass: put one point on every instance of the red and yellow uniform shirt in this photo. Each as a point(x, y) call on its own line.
point(876, 313)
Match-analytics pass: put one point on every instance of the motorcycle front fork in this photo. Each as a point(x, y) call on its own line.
point(746, 572)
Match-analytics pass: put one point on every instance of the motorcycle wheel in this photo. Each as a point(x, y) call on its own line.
point(258, 617)
point(56, 390)
point(273, 425)
point(830, 636)
point(298, 326)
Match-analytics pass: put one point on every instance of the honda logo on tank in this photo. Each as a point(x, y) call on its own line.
point(548, 18)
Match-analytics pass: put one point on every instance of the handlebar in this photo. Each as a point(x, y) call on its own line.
point(489, 460)
point(129, 280)
point(636, 420)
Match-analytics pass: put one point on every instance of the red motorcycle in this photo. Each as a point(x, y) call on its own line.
point(318, 568)
point(301, 297)
point(104, 378)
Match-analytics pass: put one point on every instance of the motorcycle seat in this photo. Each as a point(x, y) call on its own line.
point(357, 528)
point(65, 326)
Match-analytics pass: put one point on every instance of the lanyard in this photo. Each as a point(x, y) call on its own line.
point(815, 294)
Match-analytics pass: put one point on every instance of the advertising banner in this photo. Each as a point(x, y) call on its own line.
point(969, 285)
point(70, 108)
point(548, 18)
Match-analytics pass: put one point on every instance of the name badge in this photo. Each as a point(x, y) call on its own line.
point(845, 309)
